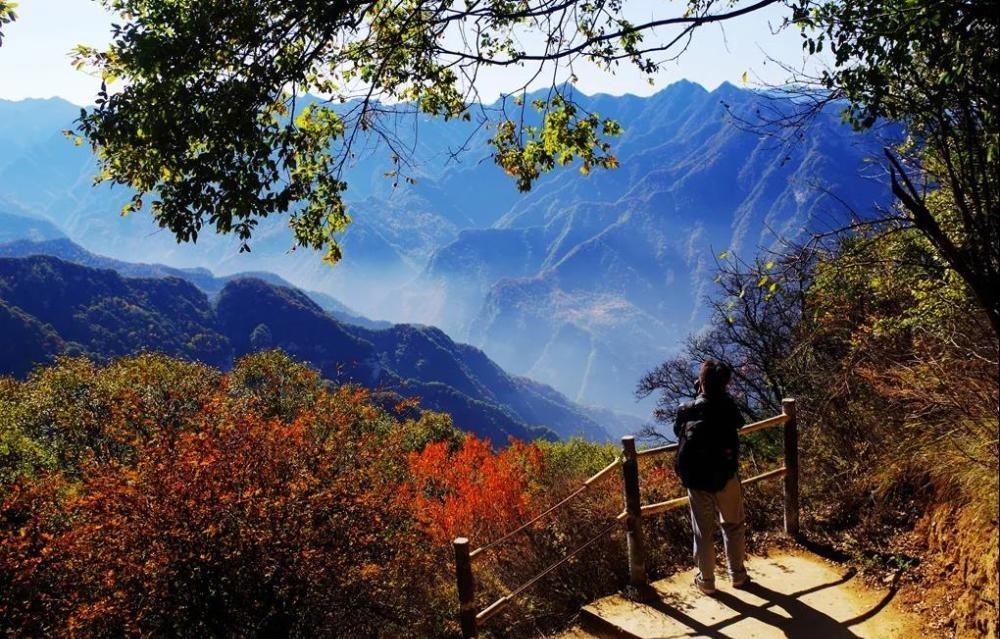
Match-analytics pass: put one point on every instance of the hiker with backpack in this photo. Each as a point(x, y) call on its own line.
point(707, 463)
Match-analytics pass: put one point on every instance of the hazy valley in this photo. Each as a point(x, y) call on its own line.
point(584, 283)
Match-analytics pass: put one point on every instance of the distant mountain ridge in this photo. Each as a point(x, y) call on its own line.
point(69, 251)
point(583, 283)
point(587, 283)
point(49, 306)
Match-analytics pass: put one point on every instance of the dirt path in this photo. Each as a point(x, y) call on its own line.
point(796, 595)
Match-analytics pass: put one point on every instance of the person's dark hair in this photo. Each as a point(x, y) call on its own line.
point(714, 376)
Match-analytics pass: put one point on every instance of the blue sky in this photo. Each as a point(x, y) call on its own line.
point(34, 58)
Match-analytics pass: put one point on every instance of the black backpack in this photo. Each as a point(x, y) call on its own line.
point(707, 443)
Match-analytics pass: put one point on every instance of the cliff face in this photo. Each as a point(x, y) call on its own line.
point(960, 570)
point(587, 283)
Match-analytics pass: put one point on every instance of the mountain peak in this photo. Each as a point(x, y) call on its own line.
point(50, 102)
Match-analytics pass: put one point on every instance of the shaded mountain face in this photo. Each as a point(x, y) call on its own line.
point(584, 283)
point(202, 278)
point(26, 341)
point(101, 314)
point(49, 306)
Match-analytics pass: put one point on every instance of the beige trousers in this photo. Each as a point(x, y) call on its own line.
point(708, 510)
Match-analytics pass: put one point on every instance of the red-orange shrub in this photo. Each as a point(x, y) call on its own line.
point(473, 491)
point(245, 526)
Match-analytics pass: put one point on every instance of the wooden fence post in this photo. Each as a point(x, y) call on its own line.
point(633, 518)
point(466, 588)
point(792, 468)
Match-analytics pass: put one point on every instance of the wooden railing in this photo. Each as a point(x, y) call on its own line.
point(471, 619)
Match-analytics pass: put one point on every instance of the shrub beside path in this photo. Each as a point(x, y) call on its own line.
point(796, 595)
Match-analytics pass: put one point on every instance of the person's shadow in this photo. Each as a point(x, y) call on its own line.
point(803, 621)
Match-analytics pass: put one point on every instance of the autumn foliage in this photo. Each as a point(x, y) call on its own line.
point(155, 497)
point(473, 491)
point(234, 521)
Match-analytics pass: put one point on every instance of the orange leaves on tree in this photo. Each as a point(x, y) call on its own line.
point(473, 491)
point(288, 520)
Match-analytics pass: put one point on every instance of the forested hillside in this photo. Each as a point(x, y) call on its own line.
point(56, 307)
point(163, 496)
point(204, 279)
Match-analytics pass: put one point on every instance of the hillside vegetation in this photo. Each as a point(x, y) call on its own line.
point(54, 307)
point(156, 497)
point(894, 367)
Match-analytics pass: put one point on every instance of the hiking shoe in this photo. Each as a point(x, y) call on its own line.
point(742, 584)
point(704, 588)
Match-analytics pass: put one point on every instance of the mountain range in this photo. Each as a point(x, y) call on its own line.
point(50, 306)
point(32, 230)
point(582, 284)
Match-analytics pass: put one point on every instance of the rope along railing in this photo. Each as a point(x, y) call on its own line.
point(471, 619)
point(497, 605)
point(468, 616)
point(562, 502)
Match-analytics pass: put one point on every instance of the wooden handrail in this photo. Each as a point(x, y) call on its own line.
point(466, 587)
point(777, 420)
point(663, 506)
point(791, 447)
point(771, 474)
point(634, 539)
point(632, 516)
point(493, 608)
point(659, 450)
point(604, 471)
